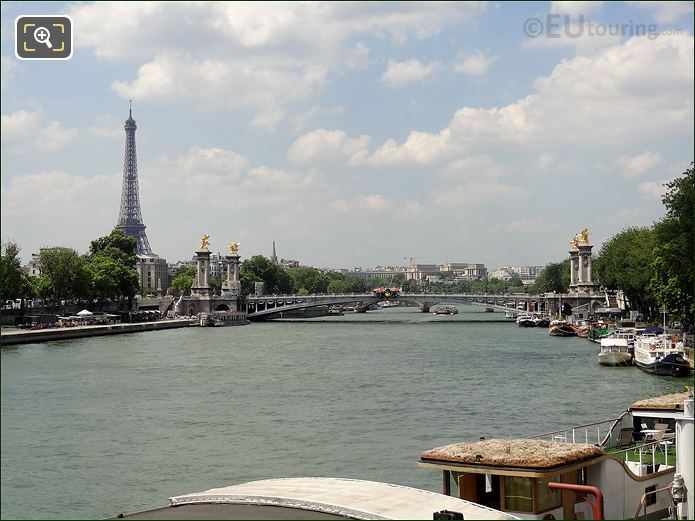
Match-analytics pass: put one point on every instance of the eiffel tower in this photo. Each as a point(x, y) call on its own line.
point(130, 217)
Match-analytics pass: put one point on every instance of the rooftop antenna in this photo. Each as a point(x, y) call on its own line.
point(130, 110)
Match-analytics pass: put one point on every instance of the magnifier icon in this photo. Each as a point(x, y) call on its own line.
point(43, 35)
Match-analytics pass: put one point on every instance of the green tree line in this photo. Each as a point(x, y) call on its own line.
point(105, 272)
point(652, 265)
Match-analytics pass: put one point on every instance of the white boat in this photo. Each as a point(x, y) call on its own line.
point(614, 351)
point(661, 355)
point(525, 320)
point(446, 310)
point(533, 477)
point(318, 498)
point(223, 319)
point(510, 314)
point(541, 320)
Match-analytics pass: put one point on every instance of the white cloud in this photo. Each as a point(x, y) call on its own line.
point(419, 147)
point(362, 203)
point(636, 166)
point(29, 203)
point(231, 83)
point(106, 127)
point(476, 63)
point(398, 74)
point(653, 190)
point(666, 12)
point(25, 130)
point(213, 161)
point(544, 161)
point(268, 120)
point(233, 54)
point(575, 8)
point(314, 27)
point(526, 225)
point(476, 192)
point(9, 66)
point(475, 167)
point(329, 146)
point(633, 92)
point(304, 118)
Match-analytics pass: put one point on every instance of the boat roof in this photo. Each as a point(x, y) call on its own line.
point(513, 453)
point(316, 498)
point(668, 402)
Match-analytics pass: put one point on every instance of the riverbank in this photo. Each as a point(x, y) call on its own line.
point(24, 336)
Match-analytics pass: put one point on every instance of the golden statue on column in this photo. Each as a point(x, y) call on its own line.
point(580, 238)
point(205, 242)
point(234, 248)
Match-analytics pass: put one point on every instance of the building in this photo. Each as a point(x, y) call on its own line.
point(289, 263)
point(465, 270)
point(371, 274)
point(33, 267)
point(419, 272)
point(174, 267)
point(528, 274)
point(503, 273)
point(218, 265)
point(153, 274)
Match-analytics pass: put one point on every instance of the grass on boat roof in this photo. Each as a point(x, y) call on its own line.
point(667, 401)
point(526, 453)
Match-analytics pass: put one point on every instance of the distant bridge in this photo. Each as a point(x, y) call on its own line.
point(266, 306)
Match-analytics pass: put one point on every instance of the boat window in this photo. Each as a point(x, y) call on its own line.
point(651, 498)
point(581, 476)
point(546, 499)
point(488, 490)
point(518, 494)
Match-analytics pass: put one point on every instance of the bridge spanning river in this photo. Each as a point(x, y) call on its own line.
point(267, 306)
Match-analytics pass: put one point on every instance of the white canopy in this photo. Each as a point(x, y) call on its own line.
point(84, 313)
point(350, 498)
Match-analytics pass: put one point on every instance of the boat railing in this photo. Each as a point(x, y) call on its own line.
point(637, 454)
point(580, 433)
point(643, 499)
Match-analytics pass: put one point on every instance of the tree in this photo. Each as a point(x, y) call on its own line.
point(248, 281)
point(183, 281)
point(275, 277)
point(41, 287)
point(309, 280)
point(625, 262)
point(672, 281)
point(554, 277)
point(104, 277)
point(216, 284)
point(339, 283)
point(65, 271)
point(118, 246)
point(111, 259)
point(13, 283)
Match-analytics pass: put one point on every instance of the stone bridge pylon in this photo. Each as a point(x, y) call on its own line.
point(202, 298)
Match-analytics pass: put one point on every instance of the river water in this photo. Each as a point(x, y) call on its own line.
point(99, 426)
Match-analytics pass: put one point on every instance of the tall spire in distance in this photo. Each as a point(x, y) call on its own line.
point(130, 217)
point(274, 257)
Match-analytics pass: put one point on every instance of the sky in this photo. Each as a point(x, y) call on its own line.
point(351, 134)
